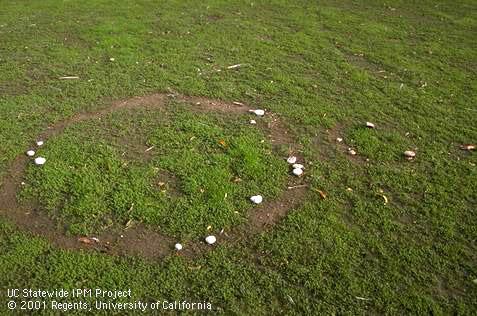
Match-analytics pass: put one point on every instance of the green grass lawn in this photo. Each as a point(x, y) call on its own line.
point(325, 68)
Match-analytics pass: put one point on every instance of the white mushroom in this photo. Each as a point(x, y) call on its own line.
point(178, 247)
point(297, 172)
point(291, 160)
point(409, 154)
point(39, 143)
point(253, 122)
point(351, 151)
point(298, 166)
point(258, 112)
point(339, 139)
point(40, 161)
point(257, 199)
point(30, 153)
point(210, 239)
point(370, 125)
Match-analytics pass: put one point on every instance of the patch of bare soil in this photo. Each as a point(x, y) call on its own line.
point(137, 239)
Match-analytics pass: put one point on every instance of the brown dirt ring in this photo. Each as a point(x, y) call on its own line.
point(140, 240)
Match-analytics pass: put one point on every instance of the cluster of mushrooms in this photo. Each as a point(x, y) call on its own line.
point(31, 153)
point(408, 154)
point(297, 170)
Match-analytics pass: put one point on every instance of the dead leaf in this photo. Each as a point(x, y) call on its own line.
point(297, 186)
point(322, 194)
point(88, 240)
point(468, 147)
point(234, 66)
point(222, 142)
point(362, 298)
point(129, 223)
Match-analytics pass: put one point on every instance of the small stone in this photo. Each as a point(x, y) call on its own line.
point(253, 122)
point(291, 160)
point(30, 153)
point(39, 143)
point(297, 172)
point(257, 199)
point(40, 161)
point(409, 154)
point(370, 125)
point(298, 166)
point(178, 247)
point(210, 239)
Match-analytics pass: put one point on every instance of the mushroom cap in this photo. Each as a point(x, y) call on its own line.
point(259, 112)
point(410, 154)
point(297, 172)
point(370, 125)
point(40, 160)
point(291, 159)
point(210, 239)
point(257, 199)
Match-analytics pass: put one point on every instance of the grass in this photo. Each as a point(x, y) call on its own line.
point(330, 66)
point(185, 183)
